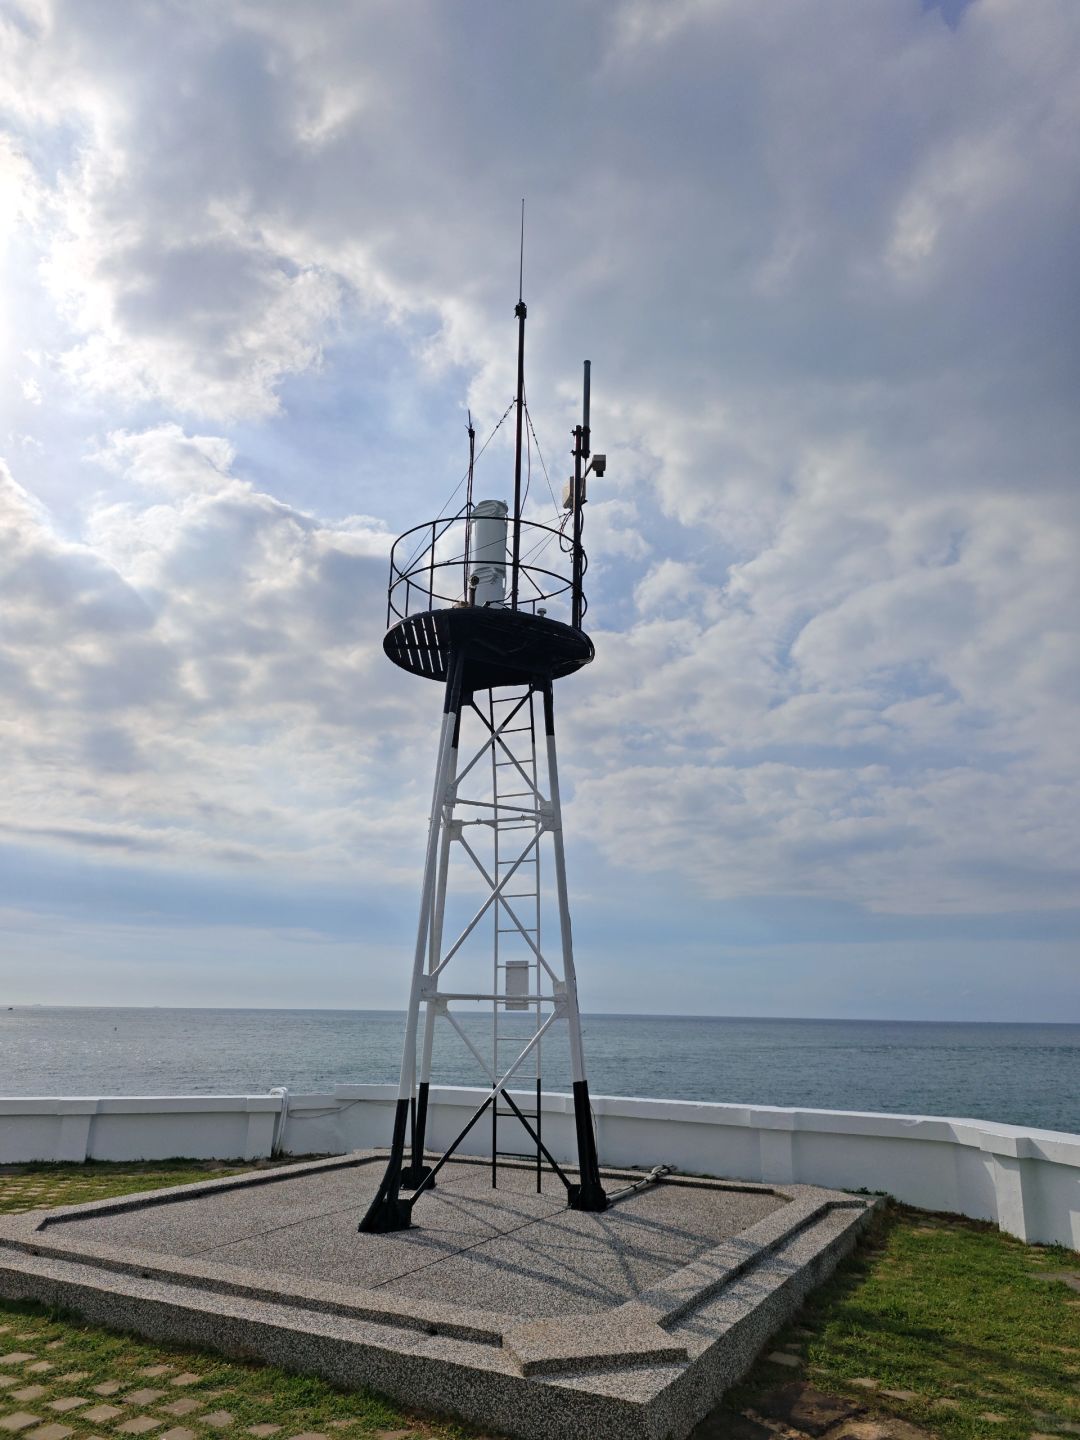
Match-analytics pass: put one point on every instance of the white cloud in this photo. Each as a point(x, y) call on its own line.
point(193, 683)
point(938, 637)
point(165, 458)
point(821, 265)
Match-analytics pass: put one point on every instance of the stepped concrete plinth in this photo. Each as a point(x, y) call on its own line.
point(500, 1306)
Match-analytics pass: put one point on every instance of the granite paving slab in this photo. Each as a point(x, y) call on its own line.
point(202, 1217)
point(506, 1249)
point(519, 1275)
point(627, 1334)
point(330, 1248)
point(462, 1213)
point(672, 1221)
point(231, 1224)
point(576, 1263)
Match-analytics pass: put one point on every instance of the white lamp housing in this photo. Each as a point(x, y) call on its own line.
point(489, 552)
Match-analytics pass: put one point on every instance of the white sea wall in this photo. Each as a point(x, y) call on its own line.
point(1026, 1181)
point(138, 1127)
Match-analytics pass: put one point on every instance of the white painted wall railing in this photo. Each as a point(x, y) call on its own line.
point(1028, 1181)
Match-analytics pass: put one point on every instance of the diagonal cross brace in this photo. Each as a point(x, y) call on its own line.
point(509, 910)
point(496, 736)
point(503, 723)
point(496, 894)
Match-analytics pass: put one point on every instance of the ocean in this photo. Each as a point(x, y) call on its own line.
point(1022, 1074)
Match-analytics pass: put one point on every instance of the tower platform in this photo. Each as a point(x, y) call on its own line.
point(501, 647)
point(501, 1307)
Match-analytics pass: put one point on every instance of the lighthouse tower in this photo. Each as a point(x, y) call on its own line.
point(490, 605)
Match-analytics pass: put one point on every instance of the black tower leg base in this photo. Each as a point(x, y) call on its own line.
point(587, 1197)
point(385, 1215)
point(388, 1212)
point(413, 1176)
point(415, 1172)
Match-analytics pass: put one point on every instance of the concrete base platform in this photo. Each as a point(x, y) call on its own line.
point(500, 1306)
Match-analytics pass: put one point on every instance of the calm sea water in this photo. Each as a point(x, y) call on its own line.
point(1022, 1074)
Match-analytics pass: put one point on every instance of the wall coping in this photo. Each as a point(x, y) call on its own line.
point(136, 1104)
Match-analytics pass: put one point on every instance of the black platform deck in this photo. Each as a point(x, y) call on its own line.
point(501, 647)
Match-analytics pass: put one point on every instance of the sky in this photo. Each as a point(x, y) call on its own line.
point(259, 263)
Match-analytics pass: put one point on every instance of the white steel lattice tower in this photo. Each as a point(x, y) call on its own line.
point(470, 608)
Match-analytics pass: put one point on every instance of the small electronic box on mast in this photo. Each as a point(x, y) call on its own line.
point(491, 606)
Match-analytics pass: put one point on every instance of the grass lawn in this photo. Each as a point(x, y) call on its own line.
point(39, 1187)
point(956, 1319)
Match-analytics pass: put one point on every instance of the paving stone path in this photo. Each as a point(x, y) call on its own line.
point(52, 1399)
point(799, 1411)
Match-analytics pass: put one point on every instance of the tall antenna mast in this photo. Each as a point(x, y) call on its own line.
point(469, 504)
point(521, 254)
point(520, 312)
point(581, 454)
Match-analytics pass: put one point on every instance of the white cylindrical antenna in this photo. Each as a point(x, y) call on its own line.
point(489, 552)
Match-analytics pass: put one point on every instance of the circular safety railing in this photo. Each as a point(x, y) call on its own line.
point(432, 564)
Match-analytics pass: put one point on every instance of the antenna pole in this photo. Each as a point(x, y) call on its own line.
point(520, 312)
point(521, 254)
point(581, 454)
point(468, 504)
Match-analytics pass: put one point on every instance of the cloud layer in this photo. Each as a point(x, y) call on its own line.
point(259, 259)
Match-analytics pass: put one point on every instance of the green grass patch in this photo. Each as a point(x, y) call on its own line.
point(44, 1186)
point(952, 1311)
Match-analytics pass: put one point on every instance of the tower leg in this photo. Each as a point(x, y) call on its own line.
point(416, 1172)
point(388, 1211)
point(589, 1194)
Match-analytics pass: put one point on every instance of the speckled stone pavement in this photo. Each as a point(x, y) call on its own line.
point(500, 1306)
point(507, 1250)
